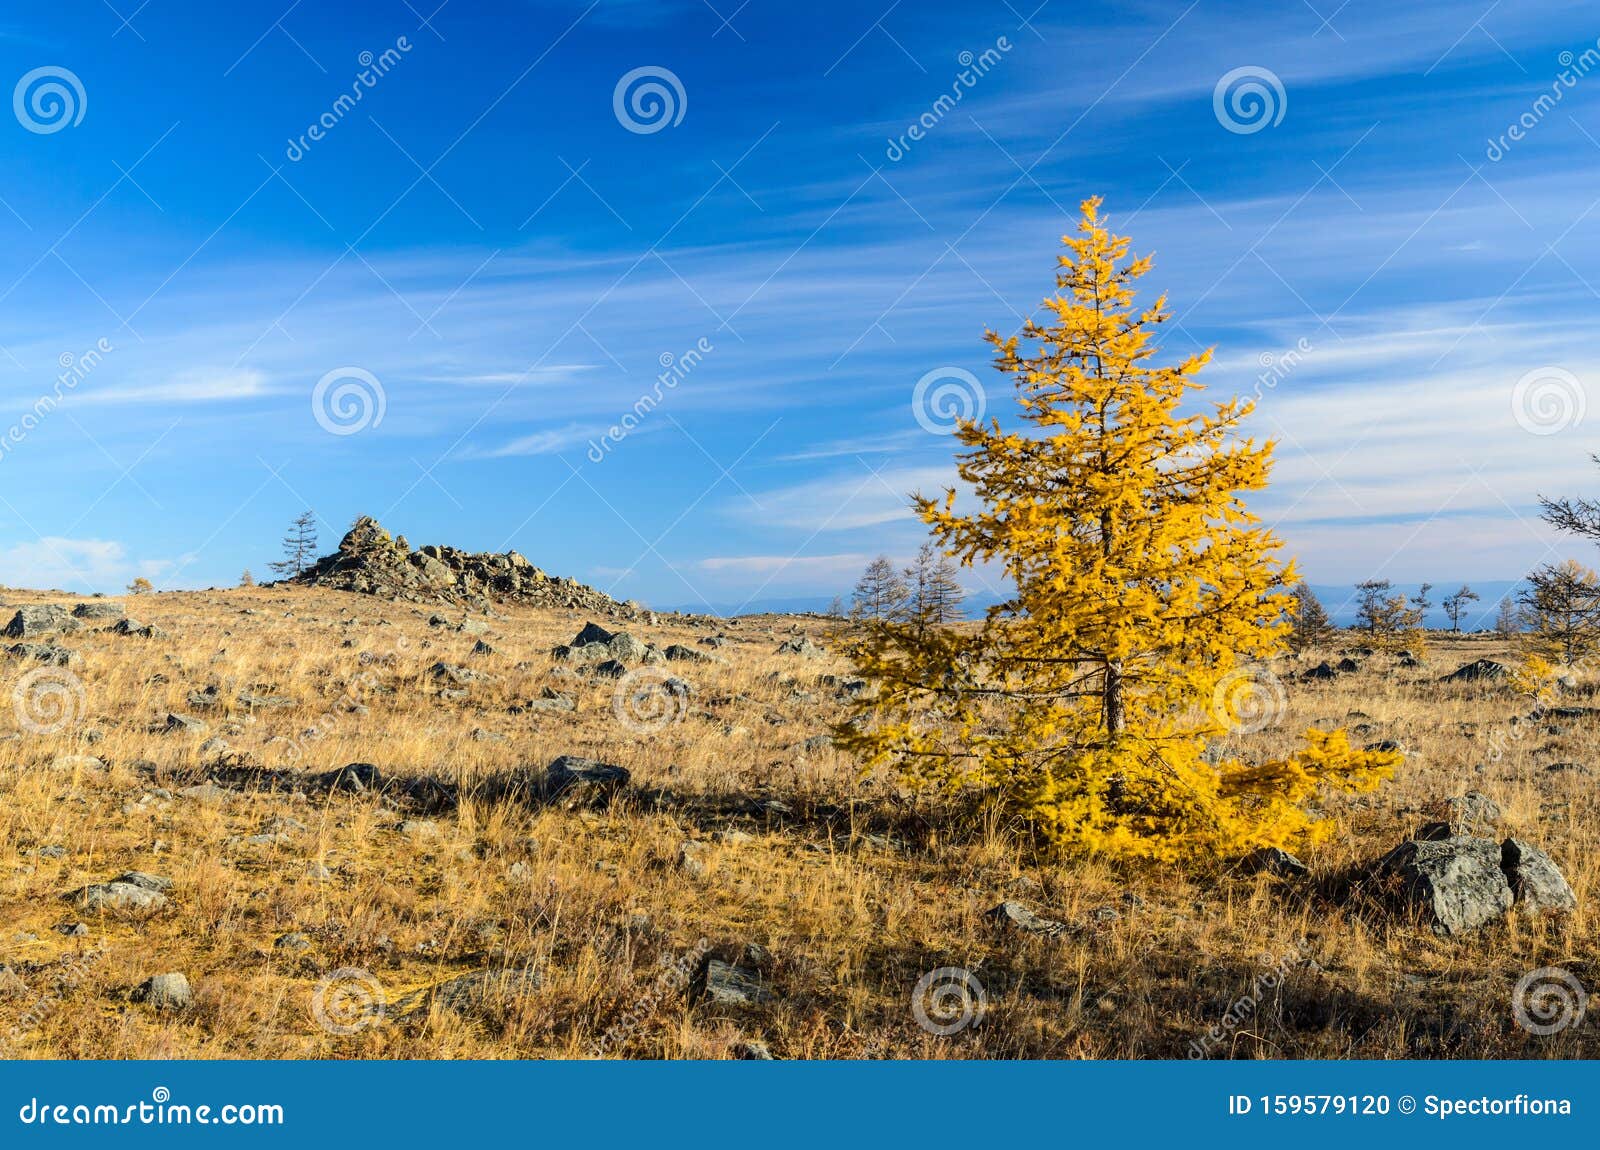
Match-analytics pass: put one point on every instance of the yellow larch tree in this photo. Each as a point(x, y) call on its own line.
point(1147, 598)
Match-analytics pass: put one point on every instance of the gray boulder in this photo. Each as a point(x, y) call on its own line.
point(575, 781)
point(43, 619)
point(1456, 882)
point(51, 654)
point(98, 611)
point(1538, 884)
point(1479, 671)
point(592, 633)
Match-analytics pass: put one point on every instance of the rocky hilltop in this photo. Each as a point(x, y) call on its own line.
point(370, 561)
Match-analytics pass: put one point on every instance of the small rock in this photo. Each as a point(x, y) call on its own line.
point(728, 985)
point(1015, 916)
point(1276, 861)
point(166, 992)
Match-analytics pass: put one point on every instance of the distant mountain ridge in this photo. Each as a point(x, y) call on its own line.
point(1338, 599)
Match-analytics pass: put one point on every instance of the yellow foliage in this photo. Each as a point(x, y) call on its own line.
point(1145, 591)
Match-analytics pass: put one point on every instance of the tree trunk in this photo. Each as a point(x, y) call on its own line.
point(1113, 698)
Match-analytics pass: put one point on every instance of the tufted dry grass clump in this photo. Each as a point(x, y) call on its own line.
point(746, 891)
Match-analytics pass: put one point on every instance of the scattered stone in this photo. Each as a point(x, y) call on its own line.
point(1322, 670)
point(294, 940)
point(468, 994)
point(1473, 811)
point(678, 653)
point(353, 777)
point(1574, 768)
point(450, 673)
point(119, 895)
point(481, 649)
point(728, 985)
point(98, 611)
point(592, 633)
point(690, 861)
point(126, 626)
point(165, 992)
point(1015, 916)
point(49, 653)
point(206, 793)
point(183, 724)
point(1275, 861)
point(801, 646)
point(752, 1050)
point(73, 929)
point(1479, 671)
point(1348, 665)
point(579, 782)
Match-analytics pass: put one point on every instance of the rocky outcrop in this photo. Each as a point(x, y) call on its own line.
point(370, 561)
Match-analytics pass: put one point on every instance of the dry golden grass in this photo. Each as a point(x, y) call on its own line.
point(849, 894)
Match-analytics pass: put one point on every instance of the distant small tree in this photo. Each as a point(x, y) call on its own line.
point(247, 579)
point(934, 593)
point(1423, 604)
point(1455, 605)
point(1309, 624)
point(1382, 613)
point(299, 546)
point(1508, 622)
point(1561, 610)
point(140, 586)
point(881, 593)
point(836, 608)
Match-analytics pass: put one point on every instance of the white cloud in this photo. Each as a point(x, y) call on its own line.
point(72, 564)
point(195, 385)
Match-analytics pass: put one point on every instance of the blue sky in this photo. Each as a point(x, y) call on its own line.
point(492, 249)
